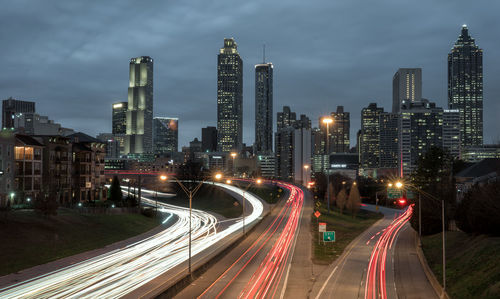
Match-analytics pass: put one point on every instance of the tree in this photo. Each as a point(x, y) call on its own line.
point(433, 176)
point(354, 202)
point(115, 191)
point(341, 200)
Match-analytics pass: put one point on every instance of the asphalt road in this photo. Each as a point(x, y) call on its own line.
point(384, 257)
point(258, 266)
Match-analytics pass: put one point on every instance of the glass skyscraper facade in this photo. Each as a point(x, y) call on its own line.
point(165, 135)
point(119, 118)
point(465, 87)
point(229, 97)
point(139, 138)
point(370, 143)
point(406, 87)
point(264, 108)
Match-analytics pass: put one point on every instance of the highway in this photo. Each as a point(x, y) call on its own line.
point(378, 264)
point(261, 269)
point(119, 272)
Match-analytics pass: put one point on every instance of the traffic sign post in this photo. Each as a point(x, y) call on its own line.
point(322, 227)
point(329, 236)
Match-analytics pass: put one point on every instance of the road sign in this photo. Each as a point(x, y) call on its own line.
point(393, 193)
point(317, 214)
point(322, 227)
point(329, 236)
point(410, 194)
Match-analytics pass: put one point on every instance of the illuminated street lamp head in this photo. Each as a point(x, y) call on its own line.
point(354, 183)
point(306, 166)
point(12, 194)
point(327, 120)
point(390, 184)
point(399, 185)
point(218, 176)
point(259, 181)
point(163, 177)
point(233, 154)
point(228, 182)
point(343, 182)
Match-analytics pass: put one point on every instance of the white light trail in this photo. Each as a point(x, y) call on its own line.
point(123, 270)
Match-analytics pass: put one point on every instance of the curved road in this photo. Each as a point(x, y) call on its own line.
point(116, 273)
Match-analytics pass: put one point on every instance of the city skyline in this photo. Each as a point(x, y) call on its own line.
point(326, 79)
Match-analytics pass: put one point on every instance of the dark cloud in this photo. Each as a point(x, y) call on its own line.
point(72, 56)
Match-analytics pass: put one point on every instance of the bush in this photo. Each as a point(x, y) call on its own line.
point(479, 211)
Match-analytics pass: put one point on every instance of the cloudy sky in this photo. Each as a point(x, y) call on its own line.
point(71, 57)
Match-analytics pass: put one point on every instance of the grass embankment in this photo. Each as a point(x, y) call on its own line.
point(472, 264)
point(28, 239)
point(270, 193)
point(208, 198)
point(346, 229)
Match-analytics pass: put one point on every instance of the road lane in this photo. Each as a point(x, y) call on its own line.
point(121, 271)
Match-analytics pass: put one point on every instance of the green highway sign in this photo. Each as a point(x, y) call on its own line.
point(393, 193)
point(410, 194)
point(329, 236)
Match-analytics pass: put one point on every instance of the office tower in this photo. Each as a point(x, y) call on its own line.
point(370, 146)
point(420, 128)
point(340, 131)
point(286, 118)
point(11, 107)
point(30, 123)
point(465, 87)
point(264, 108)
point(119, 118)
point(406, 87)
point(292, 146)
point(165, 135)
point(451, 132)
point(140, 107)
point(388, 140)
point(209, 139)
point(229, 97)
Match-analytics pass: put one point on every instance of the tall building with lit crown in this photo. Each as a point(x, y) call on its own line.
point(263, 108)
point(139, 138)
point(229, 97)
point(165, 135)
point(465, 87)
point(370, 143)
point(406, 87)
point(119, 118)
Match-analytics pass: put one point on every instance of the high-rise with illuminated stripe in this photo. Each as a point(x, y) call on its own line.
point(406, 87)
point(264, 108)
point(229, 97)
point(139, 137)
point(465, 87)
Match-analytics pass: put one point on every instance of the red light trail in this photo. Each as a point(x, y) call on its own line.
point(375, 286)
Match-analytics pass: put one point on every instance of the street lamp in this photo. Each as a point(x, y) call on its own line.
point(162, 178)
point(258, 182)
point(306, 167)
point(190, 193)
point(400, 185)
point(233, 155)
point(327, 120)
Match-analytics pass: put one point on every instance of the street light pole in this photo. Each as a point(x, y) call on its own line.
point(190, 194)
point(419, 216)
point(444, 251)
point(258, 181)
point(327, 121)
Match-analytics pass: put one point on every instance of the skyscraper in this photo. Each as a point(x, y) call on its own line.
point(465, 87)
point(140, 107)
point(165, 135)
point(370, 144)
point(340, 131)
point(420, 128)
point(406, 87)
point(209, 139)
point(264, 108)
point(389, 140)
point(119, 118)
point(229, 98)
point(11, 107)
point(451, 132)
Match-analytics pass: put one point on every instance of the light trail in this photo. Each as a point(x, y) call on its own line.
point(375, 285)
point(117, 273)
point(266, 279)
